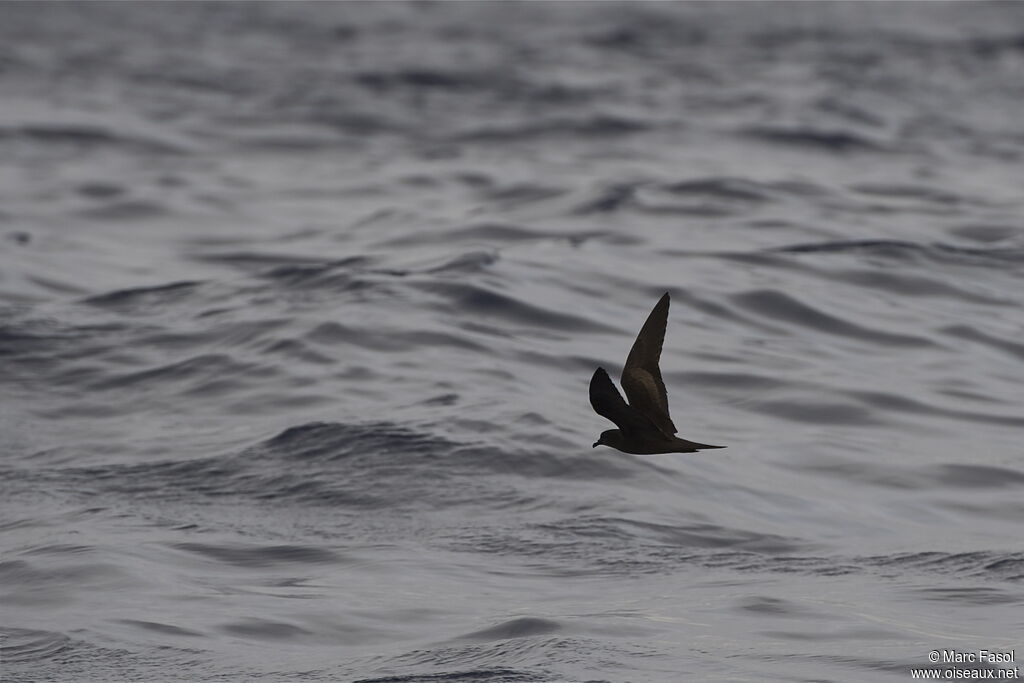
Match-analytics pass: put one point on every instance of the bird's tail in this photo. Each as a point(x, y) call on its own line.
point(697, 446)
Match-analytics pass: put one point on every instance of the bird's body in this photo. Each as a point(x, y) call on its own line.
point(644, 425)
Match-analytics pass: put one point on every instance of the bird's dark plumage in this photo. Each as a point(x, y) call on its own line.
point(608, 402)
point(641, 376)
point(644, 424)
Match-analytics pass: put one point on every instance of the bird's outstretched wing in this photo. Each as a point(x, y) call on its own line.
point(641, 376)
point(608, 402)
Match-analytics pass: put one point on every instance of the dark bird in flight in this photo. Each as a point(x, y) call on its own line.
point(644, 426)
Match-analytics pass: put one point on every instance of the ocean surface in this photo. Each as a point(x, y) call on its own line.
point(299, 304)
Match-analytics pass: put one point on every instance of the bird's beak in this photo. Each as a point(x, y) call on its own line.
point(596, 444)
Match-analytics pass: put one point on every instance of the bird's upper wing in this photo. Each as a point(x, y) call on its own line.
point(608, 402)
point(641, 376)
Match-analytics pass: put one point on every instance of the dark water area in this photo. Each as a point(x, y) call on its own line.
point(299, 304)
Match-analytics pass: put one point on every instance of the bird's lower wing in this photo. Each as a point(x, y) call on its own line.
point(647, 394)
point(608, 402)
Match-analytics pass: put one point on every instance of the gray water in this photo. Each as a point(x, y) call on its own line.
point(300, 303)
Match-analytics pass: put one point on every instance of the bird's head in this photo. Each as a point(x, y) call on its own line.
point(611, 437)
